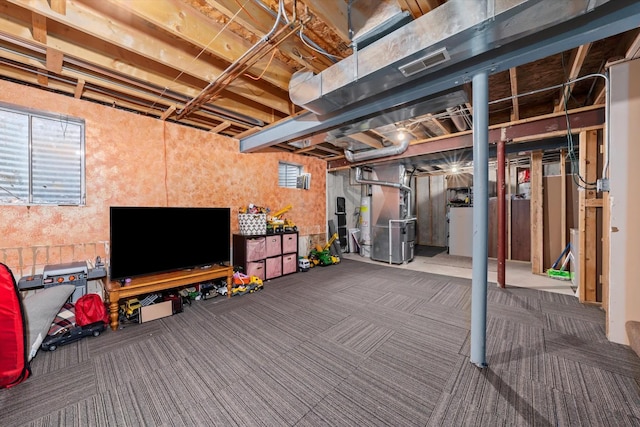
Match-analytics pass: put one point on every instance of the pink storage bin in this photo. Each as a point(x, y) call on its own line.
point(256, 268)
point(289, 243)
point(289, 264)
point(274, 245)
point(256, 249)
point(274, 267)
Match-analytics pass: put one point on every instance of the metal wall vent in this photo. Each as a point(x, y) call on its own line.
point(428, 61)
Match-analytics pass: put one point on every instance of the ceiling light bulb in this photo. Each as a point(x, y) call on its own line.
point(454, 169)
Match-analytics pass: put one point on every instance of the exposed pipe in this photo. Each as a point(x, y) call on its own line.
point(391, 150)
point(243, 63)
point(303, 37)
point(480, 222)
point(360, 180)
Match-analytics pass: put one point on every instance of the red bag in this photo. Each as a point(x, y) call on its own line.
point(14, 361)
point(91, 309)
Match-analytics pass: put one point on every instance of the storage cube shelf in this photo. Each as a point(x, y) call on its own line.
point(266, 256)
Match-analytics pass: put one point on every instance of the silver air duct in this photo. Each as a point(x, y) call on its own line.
point(450, 34)
point(360, 180)
point(457, 118)
point(391, 150)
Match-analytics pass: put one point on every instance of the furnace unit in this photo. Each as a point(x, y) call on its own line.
point(393, 228)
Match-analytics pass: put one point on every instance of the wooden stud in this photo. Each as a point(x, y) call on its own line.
point(563, 199)
point(587, 217)
point(515, 110)
point(606, 248)
point(537, 248)
point(509, 198)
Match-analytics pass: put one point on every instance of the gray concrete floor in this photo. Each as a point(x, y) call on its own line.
point(517, 273)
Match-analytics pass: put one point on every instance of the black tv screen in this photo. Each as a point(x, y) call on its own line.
point(147, 240)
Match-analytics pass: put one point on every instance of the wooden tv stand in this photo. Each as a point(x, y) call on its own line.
point(160, 282)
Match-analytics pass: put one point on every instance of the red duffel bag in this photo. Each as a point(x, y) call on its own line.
point(91, 309)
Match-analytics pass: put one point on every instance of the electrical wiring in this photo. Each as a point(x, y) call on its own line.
point(304, 41)
point(265, 68)
point(575, 169)
point(195, 58)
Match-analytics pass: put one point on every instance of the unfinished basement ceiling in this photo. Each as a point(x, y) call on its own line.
point(208, 64)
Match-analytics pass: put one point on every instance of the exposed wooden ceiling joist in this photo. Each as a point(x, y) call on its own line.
point(153, 56)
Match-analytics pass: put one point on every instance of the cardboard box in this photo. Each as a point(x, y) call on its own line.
point(155, 311)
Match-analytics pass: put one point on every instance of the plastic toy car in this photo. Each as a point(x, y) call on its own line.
point(304, 264)
point(239, 290)
point(130, 307)
point(51, 342)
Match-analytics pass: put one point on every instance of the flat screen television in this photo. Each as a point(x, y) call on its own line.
point(147, 240)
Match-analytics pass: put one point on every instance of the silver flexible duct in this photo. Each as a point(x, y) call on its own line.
point(391, 150)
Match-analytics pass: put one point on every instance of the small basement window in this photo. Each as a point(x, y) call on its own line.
point(41, 158)
point(288, 174)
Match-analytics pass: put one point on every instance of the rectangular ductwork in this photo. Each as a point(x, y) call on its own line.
point(429, 45)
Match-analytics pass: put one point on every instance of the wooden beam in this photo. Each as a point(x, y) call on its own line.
point(43, 80)
point(334, 14)
point(412, 7)
point(329, 150)
point(445, 130)
point(248, 132)
point(145, 58)
point(79, 89)
point(59, 6)
point(537, 216)
point(168, 112)
point(39, 28)
point(513, 79)
point(634, 50)
point(218, 42)
point(367, 139)
point(576, 65)
point(55, 58)
point(222, 126)
point(521, 131)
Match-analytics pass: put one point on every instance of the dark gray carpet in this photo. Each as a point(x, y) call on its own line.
point(354, 344)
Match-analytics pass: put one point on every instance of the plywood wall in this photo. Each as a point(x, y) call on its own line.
point(141, 161)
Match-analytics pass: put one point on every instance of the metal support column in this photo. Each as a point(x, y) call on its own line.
point(480, 214)
point(501, 213)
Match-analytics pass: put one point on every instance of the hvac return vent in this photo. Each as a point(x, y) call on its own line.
point(428, 61)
